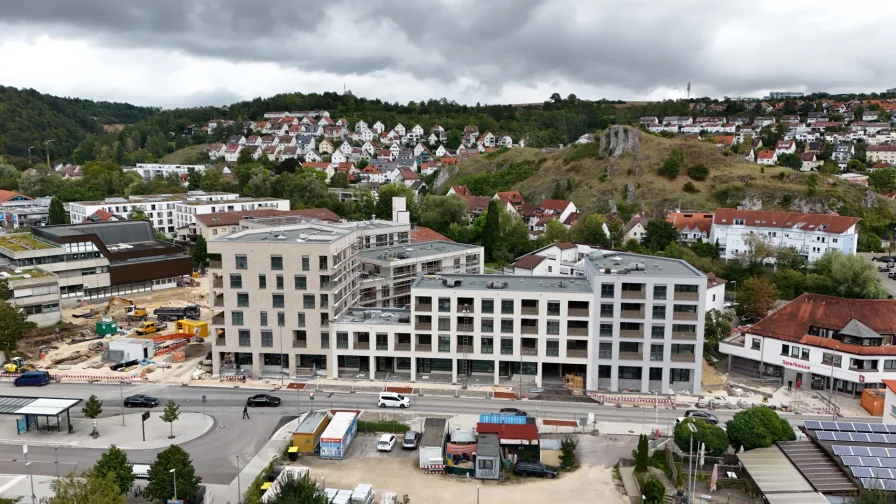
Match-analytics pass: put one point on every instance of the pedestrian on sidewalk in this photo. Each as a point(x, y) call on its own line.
point(246, 412)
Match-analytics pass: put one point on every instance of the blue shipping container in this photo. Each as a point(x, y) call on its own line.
point(338, 435)
point(500, 418)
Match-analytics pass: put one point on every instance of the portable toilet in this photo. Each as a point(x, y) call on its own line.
point(106, 326)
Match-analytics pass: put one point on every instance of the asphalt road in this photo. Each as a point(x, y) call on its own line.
point(232, 435)
point(887, 282)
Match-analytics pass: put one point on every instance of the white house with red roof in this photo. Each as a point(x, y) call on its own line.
point(486, 139)
point(785, 147)
point(559, 208)
point(812, 235)
point(767, 157)
point(441, 151)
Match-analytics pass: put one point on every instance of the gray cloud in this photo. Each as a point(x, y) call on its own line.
point(637, 46)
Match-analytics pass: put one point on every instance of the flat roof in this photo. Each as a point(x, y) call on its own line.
point(43, 406)
point(197, 202)
point(773, 472)
point(433, 432)
point(488, 445)
point(504, 283)
point(18, 242)
point(414, 251)
point(359, 315)
point(7, 273)
point(338, 425)
point(311, 421)
point(311, 231)
point(615, 263)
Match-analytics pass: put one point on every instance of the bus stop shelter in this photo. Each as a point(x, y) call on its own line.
point(37, 413)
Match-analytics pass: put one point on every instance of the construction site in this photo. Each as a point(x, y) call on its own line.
point(159, 336)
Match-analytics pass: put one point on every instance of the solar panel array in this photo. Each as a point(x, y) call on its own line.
point(873, 466)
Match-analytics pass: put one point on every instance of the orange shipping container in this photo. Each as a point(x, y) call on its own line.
point(180, 357)
point(873, 401)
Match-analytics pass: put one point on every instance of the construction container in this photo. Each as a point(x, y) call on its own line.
point(307, 434)
point(106, 327)
point(193, 327)
point(178, 357)
point(338, 435)
point(873, 401)
point(501, 418)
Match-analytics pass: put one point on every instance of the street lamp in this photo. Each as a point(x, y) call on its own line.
point(174, 477)
point(734, 291)
point(239, 489)
point(691, 479)
point(831, 392)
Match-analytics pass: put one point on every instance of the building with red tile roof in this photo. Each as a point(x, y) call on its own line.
point(12, 196)
point(420, 234)
point(514, 434)
point(692, 226)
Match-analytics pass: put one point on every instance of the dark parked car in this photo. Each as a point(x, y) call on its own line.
point(513, 411)
point(140, 401)
point(263, 400)
point(532, 468)
point(892, 275)
point(410, 440)
point(883, 269)
point(701, 415)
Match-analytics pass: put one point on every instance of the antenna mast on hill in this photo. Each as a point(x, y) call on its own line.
point(689, 90)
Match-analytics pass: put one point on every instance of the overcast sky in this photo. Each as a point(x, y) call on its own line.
point(204, 52)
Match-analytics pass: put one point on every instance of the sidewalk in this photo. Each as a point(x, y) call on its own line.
point(627, 474)
point(130, 436)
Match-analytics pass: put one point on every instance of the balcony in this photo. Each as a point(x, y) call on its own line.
point(423, 307)
point(684, 315)
point(679, 357)
point(688, 336)
point(577, 331)
point(631, 356)
point(423, 326)
point(361, 346)
point(214, 265)
point(529, 310)
point(219, 302)
point(465, 349)
point(576, 353)
point(423, 347)
point(632, 314)
point(218, 319)
point(634, 294)
point(527, 329)
point(299, 344)
point(687, 296)
point(530, 351)
point(553, 352)
point(218, 282)
point(465, 327)
point(631, 333)
point(405, 346)
point(577, 312)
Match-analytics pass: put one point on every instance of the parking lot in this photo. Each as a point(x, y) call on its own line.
point(364, 446)
point(887, 282)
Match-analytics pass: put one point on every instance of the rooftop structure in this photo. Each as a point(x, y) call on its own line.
point(510, 283)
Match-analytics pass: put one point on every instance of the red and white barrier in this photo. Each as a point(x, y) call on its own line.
point(631, 400)
point(434, 469)
point(234, 378)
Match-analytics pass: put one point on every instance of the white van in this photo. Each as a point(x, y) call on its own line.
point(393, 400)
point(141, 471)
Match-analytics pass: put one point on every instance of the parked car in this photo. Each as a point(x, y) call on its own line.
point(32, 379)
point(140, 401)
point(513, 411)
point(884, 269)
point(701, 415)
point(393, 400)
point(533, 468)
point(263, 400)
point(411, 438)
point(892, 275)
point(386, 442)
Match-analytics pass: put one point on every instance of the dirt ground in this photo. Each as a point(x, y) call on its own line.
point(712, 378)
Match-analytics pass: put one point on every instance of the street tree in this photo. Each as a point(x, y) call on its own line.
point(568, 456)
point(717, 327)
point(161, 485)
point(850, 276)
point(757, 427)
point(93, 407)
point(642, 455)
point(170, 415)
point(137, 213)
point(56, 213)
point(555, 232)
point(712, 436)
point(200, 252)
point(88, 487)
point(658, 234)
point(115, 462)
point(590, 230)
point(756, 297)
point(13, 326)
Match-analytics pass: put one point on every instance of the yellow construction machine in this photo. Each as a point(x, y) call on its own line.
point(17, 365)
point(131, 311)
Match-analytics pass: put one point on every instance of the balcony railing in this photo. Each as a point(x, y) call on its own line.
point(423, 307)
point(214, 265)
point(687, 296)
point(553, 352)
point(465, 327)
point(219, 302)
point(684, 315)
point(631, 333)
point(218, 319)
point(678, 335)
point(423, 326)
point(529, 310)
point(465, 349)
point(529, 329)
point(577, 312)
point(342, 344)
point(506, 350)
point(487, 349)
point(423, 347)
point(361, 346)
point(633, 314)
point(631, 356)
point(218, 282)
point(577, 331)
point(530, 351)
point(576, 353)
point(404, 346)
point(628, 294)
point(678, 357)
point(299, 344)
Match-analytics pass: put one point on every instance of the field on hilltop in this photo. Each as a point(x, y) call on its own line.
point(624, 174)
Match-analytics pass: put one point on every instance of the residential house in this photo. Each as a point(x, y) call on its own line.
point(441, 151)
point(505, 141)
point(400, 129)
point(810, 162)
point(471, 134)
point(360, 126)
point(870, 115)
point(325, 147)
point(725, 141)
point(373, 173)
point(439, 132)
point(338, 157)
point(767, 157)
point(232, 152)
point(460, 190)
point(511, 199)
point(881, 154)
point(379, 127)
point(368, 148)
point(692, 226)
point(815, 117)
point(561, 209)
point(844, 151)
point(785, 147)
point(313, 156)
point(305, 142)
point(648, 120)
point(764, 121)
point(433, 139)
point(428, 168)
point(487, 140)
point(406, 176)
point(636, 227)
point(813, 147)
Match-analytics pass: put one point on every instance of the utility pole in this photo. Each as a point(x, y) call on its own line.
point(48, 151)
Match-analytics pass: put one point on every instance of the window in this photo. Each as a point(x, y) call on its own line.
point(306, 263)
point(837, 360)
point(785, 350)
point(795, 352)
point(607, 290)
point(804, 355)
point(655, 374)
point(679, 349)
point(308, 301)
point(278, 301)
point(444, 324)
point(279, 282)
point(659, 292)
point(606, 330)
point(488, 306)
point(685, 308)
point(301, 320)
point(506, 325)
point(889, 364)
point(657, 332)
point(324, 301)
point(382, 341)
point(553, 348)
point(554, 308)
point(629, 373)
point(506, 307)
point(487, 325)
point(236, 281)
point(236, 318)
point(242, 299)
point(486, 464)
point(322, 262)
point(276, 263)
point(281, 319)
point(679, 375)
point(506, 346)
point(241, 262)
point(656, 352)
point(605, 351)
point(756, 343)
point(341, 340)
point(267, 338)
point(486, 345)
point(603, 371)
point(264, 318)
point(244, 337)
point(553, 327)
point(301, 282)
point(444, 304)
point(659, 311)
point(325, 340)
point(606, 310)
point(444, 343)
point(262, 281)
point(301, 338)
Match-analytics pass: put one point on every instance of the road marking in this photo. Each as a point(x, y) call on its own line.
point(11, 484)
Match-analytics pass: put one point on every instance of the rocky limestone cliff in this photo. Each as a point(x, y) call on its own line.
point(618, 140)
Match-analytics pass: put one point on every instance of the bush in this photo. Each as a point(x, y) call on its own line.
point(689, 187)
point(653, 490)
point(370, 426)
point(582, 151)
point(757, 427)
point(698, 172)
point(254, 492)
point(642, 455)
point(712, 436)
point(671, 168)
point(568, 452)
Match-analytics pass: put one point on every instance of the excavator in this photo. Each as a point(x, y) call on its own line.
point(131, 311)
point(17, 365)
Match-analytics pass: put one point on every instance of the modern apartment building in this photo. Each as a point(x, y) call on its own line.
point(98, 260)
point(387, 273)
point(632, 323)
point(185, 212)
point(816, 342)
point(151, 170)
point(557, 259)
point(811, 234)
point(211, 225)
